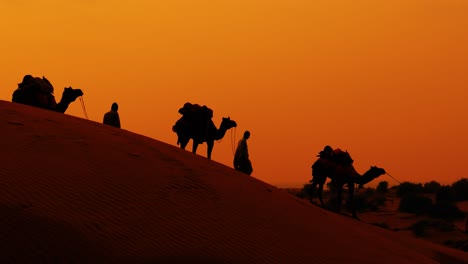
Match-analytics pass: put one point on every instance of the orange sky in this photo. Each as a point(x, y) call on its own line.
point(385, 80)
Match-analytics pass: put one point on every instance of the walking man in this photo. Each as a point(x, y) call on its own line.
point(241, 158)
point(112, 117)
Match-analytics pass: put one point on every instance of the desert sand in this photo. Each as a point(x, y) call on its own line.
point(76, 191)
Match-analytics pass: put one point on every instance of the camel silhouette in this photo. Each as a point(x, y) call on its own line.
point(201, 131)
point(38, 92)
point(340, 174)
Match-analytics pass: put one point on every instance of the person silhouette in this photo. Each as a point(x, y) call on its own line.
point(112, 117)
point(241, 157)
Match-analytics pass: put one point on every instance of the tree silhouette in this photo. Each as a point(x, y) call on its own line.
point(382, 187)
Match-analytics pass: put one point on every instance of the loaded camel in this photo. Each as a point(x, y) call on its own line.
point(196, 124)
point(39, 92)
point(340, 170)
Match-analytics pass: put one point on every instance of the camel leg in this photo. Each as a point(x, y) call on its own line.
point(320, 182)
point(183, 144)
point(339, 190)
point(194, 147)
point(210, 145)
point(351, 199)
point(312, 189)
point(320, 190)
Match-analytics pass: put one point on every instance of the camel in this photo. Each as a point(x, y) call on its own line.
point(38, 92)
point(201, 131)
point(340, 174)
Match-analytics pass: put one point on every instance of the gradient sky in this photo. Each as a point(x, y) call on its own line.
point(385, 80)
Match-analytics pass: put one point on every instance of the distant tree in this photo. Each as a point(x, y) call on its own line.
point(431, 187)
point(460, 189)
point(445, 206)
point(445, 195)
point(382, 187)
point(409, 188)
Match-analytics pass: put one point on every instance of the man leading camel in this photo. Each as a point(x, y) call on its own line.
point(112, 117)
point(241, 158)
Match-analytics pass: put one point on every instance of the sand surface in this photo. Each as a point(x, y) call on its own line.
point(77, 191)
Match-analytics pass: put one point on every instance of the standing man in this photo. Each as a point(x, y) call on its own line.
point(112, 117)
point(241, 158)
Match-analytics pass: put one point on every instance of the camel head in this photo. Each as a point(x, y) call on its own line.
point(228, 123)
point(371, 174)
point(70, 94)
point(374, 170)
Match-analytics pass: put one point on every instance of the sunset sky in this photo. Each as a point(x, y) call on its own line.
point(385, 80)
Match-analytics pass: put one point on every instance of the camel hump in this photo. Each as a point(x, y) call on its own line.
point(36, 84)
point(336, 155)
point(342, 157)
point(32, 88)
point(196, 111)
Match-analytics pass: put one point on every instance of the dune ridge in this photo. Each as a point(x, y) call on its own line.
point(77, 191)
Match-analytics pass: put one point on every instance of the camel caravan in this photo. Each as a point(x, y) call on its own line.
point(338, 166)
point(196, 124)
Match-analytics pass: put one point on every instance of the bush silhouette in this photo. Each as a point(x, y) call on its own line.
point(445, 204)
point(420, 228)
point(460, 189)
point(445, 195)
point(445, 211)
point(406, 188)
point(442, 226)
point(431, 187)
point(415, 204)
point(382, 187)
point(367, 199)
point(444, 208)
point(305, 192)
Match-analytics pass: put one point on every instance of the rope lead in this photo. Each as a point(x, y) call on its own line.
point(83, 107)
point(233, 140)
point(392, 177)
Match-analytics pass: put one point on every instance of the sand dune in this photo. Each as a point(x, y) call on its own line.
point(76, 191)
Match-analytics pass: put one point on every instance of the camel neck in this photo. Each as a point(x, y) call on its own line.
point(61, 106)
